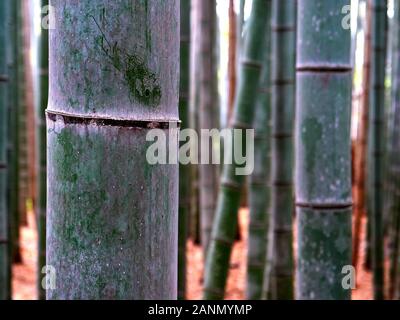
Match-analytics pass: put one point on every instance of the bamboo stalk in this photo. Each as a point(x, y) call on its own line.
point(323, 164)
point(283, 104)
point(42, 150)
point(112, 216)
point(208, 173)
point(5, 263)
point(183, 169)
point(13, 154)
point(260, 190)
point(225, 223)
point(393, 166)
point(22, 133)
point(377, 100)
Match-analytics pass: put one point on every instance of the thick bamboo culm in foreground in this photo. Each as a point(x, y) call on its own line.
point(225, 221)
point(5, 275)
point(41, 151)
point(259, 185)
point(112, 217)
point(183, 169)
point(323, 165)
point(376, 138)
point(283, 105)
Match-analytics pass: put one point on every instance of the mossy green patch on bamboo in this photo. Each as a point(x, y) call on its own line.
point(142, 82)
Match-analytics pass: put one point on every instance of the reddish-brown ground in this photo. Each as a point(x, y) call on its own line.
point(24, 286)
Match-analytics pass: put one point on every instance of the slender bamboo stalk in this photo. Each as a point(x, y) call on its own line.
point(361, 151)
point(208, 87)
point(112, 216)
point(232, 59)
point(283, 105)
point(5, 276)
point(225, 223)
point(376, 143)
point(260, 190)
point(389, 121)
point(323, 163)
point(13, 174)
point(183, 169)
point(22, 133)
point(393, 166)
point(42, 149)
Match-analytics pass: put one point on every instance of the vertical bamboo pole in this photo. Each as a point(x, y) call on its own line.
point(112, 216)
point(13, 173)
point(183, 169)
point(260, 190)
point(225, 223)
point(5, 276)
point(393, 166)
point(208, 176)
point(323, 165)
point(283, 104)
point(22, 133)
point(377, 100)
point(41, 147)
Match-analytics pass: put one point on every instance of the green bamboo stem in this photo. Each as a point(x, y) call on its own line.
point(323, 164)
point(283, 92)
point(41, 151)
point(183, 169)
point(389, 121)
point(22, 133)
point(208, 173)
point(393, 166)
point(260, 190)
point(376, 145)
point(13, 174)
point(5, 275)
point(112, 217)
point(225, 223)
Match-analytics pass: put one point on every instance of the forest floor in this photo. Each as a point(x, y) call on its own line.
point(24, 281)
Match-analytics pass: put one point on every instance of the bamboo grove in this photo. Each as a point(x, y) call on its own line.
point(200, 149)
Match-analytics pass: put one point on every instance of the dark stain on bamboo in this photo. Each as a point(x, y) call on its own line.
point(142, 82)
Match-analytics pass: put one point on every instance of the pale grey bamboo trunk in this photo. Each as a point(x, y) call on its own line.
point(112, 217)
